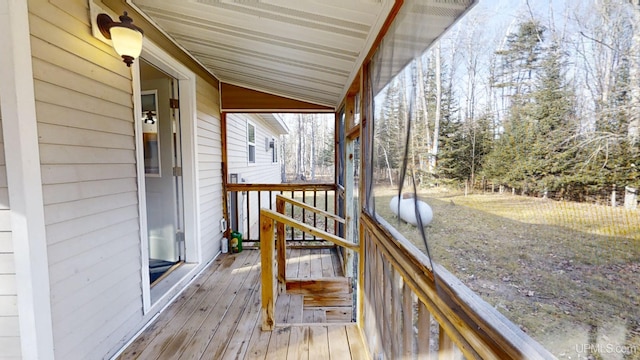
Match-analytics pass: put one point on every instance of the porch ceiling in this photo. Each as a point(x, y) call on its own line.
point(307, 50)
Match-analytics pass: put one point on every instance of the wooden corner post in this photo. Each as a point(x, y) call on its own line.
point(267, 260)
point(281, 248)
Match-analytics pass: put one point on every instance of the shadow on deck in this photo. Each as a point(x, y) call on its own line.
point(218, 316)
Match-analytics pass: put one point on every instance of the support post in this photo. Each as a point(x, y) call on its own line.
point(281, 249)
point(267, 277)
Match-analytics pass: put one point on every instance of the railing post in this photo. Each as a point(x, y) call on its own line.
point(281, 249)
point(267, 263)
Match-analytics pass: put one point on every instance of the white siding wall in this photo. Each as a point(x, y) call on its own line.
point(263, 171)
point(9, 329)
point(85, 126)
point(209, 168)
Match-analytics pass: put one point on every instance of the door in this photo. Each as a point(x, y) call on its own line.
point(163, 171)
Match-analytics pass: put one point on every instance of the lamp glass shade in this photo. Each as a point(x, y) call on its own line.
point(126, 41)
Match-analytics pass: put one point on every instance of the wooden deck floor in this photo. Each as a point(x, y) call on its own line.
point(218, 317)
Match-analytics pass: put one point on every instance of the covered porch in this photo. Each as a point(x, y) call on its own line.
point(218, 316)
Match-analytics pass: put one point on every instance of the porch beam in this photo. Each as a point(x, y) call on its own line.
point(238, 99)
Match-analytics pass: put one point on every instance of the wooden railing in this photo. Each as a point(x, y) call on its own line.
point(273, 257)
point(400, 297)
point(250, 198)
point(406, 309)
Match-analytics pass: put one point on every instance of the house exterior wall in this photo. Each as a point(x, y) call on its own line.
point(9, 327)
point(84, 110)
point(88, 164)
point(263, 171)
point(209, 167)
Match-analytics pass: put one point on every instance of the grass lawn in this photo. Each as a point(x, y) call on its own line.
point(567, 273)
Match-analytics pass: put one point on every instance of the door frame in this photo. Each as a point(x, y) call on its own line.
point(153, 54)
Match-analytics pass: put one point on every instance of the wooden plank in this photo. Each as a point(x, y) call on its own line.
point(423, 337)
point(158, 336)
point(268, 282)
point(279, 344)
point(213, 335)
point(337, 266)
point(356, 345)
point(338, 343)
point(280, 187)
point(396, 314)
point(258, 344)
point(319, 316)
point(293, 263)
point(327, 264)
point(445, 346)
point(338, 314)
point(318, 342)
point(323, 286)
point(298, 343)
point(316, 263)
point(304, 269)
point(387, 321)
point(295, 309)
point(238, 342)
point(281, 247)
point(407, 333)
point(307, 315)
point(318, 300)
point(282, 308)
point(239, 99)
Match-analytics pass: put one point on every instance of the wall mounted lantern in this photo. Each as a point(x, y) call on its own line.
point(126, 37)
point(150, 117)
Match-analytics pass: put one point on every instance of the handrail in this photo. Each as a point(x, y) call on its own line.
point(246, 199)
point(284, 219)
point(274, 281)
point(478, 329)
point(310, 208)
point(279, 187)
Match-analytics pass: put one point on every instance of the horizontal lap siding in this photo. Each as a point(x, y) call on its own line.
point(87, 151)
point(9, 330)
point(263, 171)
point(209, 168)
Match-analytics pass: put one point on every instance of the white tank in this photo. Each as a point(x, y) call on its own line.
point(408, 212)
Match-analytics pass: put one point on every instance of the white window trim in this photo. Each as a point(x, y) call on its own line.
point(255, 150)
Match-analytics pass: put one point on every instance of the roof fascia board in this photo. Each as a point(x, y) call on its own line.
point(238, 99)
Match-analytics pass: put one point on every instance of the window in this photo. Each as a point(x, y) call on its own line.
point(526, 205)
point(251, 142)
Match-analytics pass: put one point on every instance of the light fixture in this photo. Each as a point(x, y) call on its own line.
point(150, 118)
point(126, 37)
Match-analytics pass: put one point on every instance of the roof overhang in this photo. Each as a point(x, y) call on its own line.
point(308, 51)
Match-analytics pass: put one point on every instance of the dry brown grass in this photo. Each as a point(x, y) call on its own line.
point(567, 273)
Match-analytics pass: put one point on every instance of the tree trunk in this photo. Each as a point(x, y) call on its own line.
point(634, 73)
point(299, 158)
point(313, 148)
point(436, 121)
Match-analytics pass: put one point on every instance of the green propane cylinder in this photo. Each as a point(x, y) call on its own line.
point(236, 242)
